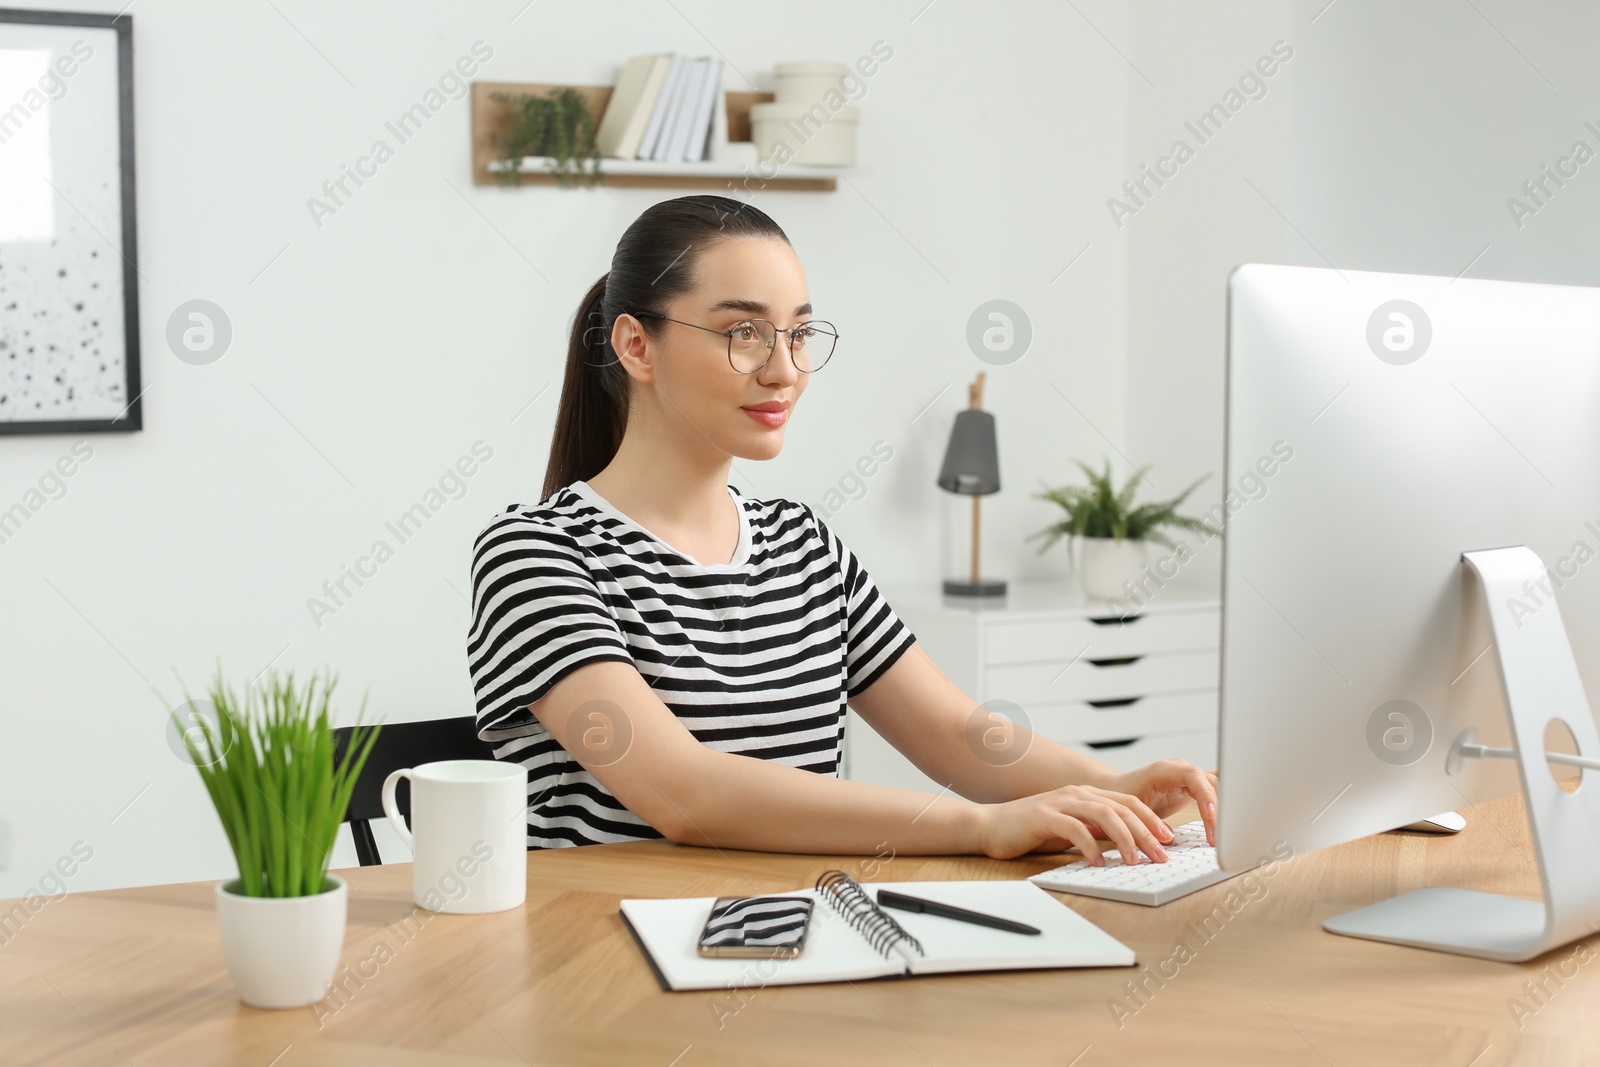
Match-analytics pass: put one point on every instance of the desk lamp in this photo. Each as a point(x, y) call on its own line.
point(972, 467)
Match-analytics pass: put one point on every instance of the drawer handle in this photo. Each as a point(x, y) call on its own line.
point(1123, 703)
point(1116, 661)
point(1124, 743)
point(1115, 620)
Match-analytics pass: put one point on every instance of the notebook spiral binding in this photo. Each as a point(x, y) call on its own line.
point(849, 899)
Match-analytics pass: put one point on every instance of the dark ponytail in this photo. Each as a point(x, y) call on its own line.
point(653, 263)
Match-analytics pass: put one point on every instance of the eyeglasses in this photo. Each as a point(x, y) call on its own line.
point(751, 341)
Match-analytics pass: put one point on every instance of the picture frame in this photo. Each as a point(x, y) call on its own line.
point(69, 277)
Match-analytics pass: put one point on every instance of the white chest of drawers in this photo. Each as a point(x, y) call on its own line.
point(1127, 690)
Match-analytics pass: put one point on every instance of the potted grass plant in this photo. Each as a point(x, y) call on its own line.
point(267, 761)
point(1113, 532)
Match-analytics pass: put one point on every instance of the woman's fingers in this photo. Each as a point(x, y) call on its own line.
point(1151, 820)
point(1202, 785)
point(1126, 830)
point(1075, 831)
point(1177, 784)
point(1144, 823)
point(1115, 824)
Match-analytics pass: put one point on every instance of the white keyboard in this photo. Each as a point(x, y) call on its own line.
point(1191, 865)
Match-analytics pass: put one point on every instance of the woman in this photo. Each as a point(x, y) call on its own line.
point(672, 658)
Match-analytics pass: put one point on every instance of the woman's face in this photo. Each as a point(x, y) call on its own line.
point(687, 375)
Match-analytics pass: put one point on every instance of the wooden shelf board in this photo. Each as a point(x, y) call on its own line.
point(709, 174)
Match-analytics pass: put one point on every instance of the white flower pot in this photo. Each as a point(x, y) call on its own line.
point(1107, 564)
point(282, 951)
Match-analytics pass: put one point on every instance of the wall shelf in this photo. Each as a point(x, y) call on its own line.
point(713, 172)
point(489, 118)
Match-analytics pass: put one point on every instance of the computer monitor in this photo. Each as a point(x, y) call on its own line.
point(1380, 426)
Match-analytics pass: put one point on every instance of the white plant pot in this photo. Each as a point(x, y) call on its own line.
point(1107, 564)
point(282, 951)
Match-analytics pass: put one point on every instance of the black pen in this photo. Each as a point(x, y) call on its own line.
point(890, 899)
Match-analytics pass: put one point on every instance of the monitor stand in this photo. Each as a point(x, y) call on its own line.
point(1541, 683)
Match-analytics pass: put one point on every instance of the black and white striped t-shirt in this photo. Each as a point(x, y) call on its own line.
point(756, 656)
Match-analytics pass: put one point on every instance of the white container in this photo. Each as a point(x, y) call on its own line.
point(282, 951)
point(811, 136)
point(806, 83)
point(1107, 564)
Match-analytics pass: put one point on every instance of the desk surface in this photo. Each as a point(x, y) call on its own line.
point(137, 976)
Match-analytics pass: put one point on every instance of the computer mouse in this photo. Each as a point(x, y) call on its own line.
point(1446, 822)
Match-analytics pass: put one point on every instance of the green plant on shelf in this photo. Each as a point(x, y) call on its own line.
point(269, 766)
point(559, 125)
point(1100, 509)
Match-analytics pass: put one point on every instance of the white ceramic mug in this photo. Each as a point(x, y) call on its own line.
point(469, 833)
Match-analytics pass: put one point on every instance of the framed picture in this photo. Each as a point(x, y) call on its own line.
point(69, 277)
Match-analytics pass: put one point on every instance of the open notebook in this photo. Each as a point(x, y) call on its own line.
point(845, 927)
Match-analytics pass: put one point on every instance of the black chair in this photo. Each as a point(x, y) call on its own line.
point(402, 744)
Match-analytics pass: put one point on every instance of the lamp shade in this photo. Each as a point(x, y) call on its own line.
point(972, 458)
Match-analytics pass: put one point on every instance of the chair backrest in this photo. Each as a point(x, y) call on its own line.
point(406, 744)
point(402, 744)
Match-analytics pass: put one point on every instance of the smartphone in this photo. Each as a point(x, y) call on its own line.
point(757, 927)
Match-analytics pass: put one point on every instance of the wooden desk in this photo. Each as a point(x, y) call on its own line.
point(137, 976)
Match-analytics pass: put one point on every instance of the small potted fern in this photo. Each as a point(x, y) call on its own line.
point(1114, 533)
point(268, 763)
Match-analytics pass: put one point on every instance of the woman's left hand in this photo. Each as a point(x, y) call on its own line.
point(1169, 786)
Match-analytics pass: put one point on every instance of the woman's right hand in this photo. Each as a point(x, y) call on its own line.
point(1073, 815)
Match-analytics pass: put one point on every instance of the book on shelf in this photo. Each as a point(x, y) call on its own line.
point(700, 127)
point(631, 105)
point(678, 139)
point(663, 106)
point(674, 129)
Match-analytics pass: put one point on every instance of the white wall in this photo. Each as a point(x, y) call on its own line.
point(1416, 123)
point(1194, 229)
point(1392, 140)
point(371, 352)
